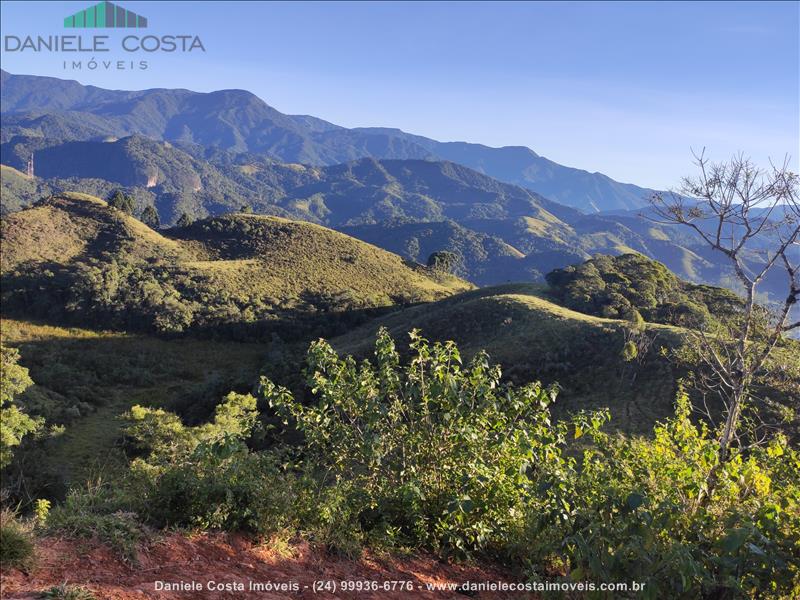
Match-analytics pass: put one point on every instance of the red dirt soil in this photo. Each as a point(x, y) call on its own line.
point(230, 558)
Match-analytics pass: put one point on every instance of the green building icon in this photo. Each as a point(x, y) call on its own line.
point(105, 14)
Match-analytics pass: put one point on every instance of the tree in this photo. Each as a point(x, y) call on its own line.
point(443, 261)
point(751, 216)
point(14, 424)
point(246, 209)
point(150, 217)
point(184, 221)
point(121, 201)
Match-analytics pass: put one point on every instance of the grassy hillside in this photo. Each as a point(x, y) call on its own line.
point(86, 379)
point(534, 338)
point(73, 257)
point(210, 154)
point(17, 189)
point(368, 198)
point(482, 258)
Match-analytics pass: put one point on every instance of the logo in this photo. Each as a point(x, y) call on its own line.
point(105, 15)
point(116, 48)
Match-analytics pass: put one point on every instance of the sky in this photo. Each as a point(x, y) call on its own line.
point(627, 89)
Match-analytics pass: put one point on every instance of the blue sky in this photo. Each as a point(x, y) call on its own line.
point(622, 88)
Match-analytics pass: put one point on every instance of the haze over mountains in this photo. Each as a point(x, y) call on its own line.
point(508, 214)
point(239, 121)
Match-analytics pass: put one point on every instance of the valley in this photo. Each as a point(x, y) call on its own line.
point(277, 347)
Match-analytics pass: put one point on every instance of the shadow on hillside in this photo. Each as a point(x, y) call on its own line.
point(59, 295)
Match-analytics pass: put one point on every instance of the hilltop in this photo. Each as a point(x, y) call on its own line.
point(412, 207)
point(533, 338)
point(74, 257)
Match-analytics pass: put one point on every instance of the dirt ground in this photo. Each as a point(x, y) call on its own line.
point(227, 559)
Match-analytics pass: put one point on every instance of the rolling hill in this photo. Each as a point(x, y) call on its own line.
point(533, 338)
point(501, 232)
point(483, 259)
point(74, 258)
point(525, 329)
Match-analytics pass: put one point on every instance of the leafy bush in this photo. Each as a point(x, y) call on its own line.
point(637, 513)
point(205, 476)
point(432, 454)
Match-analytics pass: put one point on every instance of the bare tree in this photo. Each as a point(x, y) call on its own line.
point(752, 217)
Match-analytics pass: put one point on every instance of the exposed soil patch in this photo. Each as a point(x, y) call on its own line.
point(233, 559)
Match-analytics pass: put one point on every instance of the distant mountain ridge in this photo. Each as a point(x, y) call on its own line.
point(413, 207)
point(239, 121)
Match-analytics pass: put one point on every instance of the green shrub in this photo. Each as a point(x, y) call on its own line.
point(101, 511)
point(16, 541)
point(636, 514)
point(220, 485)
point(432, 454)
point(205, 476)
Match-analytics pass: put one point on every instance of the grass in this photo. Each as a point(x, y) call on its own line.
point(16, 541)
point(120, 370)
point(533, 338)
point(17, 188)
point(288, 259)
point(237, 268)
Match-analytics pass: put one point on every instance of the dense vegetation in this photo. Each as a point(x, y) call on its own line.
point(426, 447)
point(620, 287)
point(434, 453)
point(578, 457)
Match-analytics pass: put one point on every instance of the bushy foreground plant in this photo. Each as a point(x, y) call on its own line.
point(640, 511)
point(434, 453)
point(205, 476)
point(100, 510)
point(16, 541)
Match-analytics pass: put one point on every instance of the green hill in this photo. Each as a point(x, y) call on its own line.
point(482, 258)
point(621, 286)
point(410, 207)
point(73, 257)
point(17, 189)
point(534, 338)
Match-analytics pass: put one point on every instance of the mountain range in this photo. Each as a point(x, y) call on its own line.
point(239, 121)
point(505, 212)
